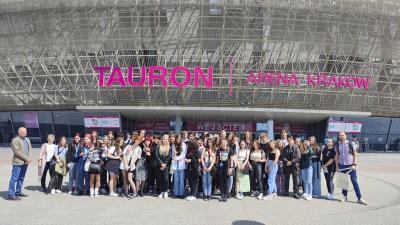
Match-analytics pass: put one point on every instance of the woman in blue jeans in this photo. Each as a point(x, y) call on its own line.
point(306, 169)
point(272, 169)
point(316, 164)
point(84, 177)
point(178, 164)
point(74, 149)
point(207, 162)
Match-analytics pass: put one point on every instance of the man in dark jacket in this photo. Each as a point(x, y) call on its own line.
point(291, 157)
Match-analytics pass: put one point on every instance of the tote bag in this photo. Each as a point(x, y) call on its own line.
point(343, 180)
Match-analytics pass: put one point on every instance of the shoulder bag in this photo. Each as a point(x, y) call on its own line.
point(214, 168)
point(113, 165)
point(246, 169)
point(53, 161)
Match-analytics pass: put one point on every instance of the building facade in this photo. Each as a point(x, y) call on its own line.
point(191, 61)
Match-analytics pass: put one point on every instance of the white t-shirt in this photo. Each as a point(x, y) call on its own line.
point(112, 150)
point(134, 153)
point(242, 154)
point(50, 152)
point(285, 143)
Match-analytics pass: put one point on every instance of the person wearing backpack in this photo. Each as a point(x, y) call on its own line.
point(346, 159)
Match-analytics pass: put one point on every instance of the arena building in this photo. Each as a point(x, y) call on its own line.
point(311, 66)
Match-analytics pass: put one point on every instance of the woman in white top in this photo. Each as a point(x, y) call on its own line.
point(242, 171)
point(208, 161)
point(257, 157)
point(127, 166)
point(45, 156)
point(179, 166)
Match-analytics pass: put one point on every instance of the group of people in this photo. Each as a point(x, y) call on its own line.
point(140, 165)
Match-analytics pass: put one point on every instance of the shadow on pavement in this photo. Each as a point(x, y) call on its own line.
point(247, 222)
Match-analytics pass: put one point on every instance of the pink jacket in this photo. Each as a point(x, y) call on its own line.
point(43, 157)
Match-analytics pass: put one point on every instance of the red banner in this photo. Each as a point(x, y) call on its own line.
point(161, 125)
point(291, 128)
point(218, 126)
point(152, 125)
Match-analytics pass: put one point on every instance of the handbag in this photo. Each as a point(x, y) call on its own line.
point(53, 161)
point(246, 169)
point(213, 170)
point(95, 168)
point(113, 165)
point(280, 167)
point(343, 180)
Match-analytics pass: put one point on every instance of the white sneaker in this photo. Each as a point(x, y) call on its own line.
point(201, 194)
point(255, 193)
point(218, 192)
point(53, 191)
point(215, 192)
point(112, 194)
point(238, 197)
point(96, 195)
point(304, 195)
point(274, 195)
point(161, 195)
point(58, 191)
point(343, 199)
point(91, 195)
point(241, 194)
point(260, 196)
point(166, 195)
point(119, 190)
point(187, 198)
point(103, 191)
point(75, 192)
point(268, 197)
point(70, 192)
point(331, 197)
point(309, 197)
point(361, 201)
point(327, 195)
point(192, 198)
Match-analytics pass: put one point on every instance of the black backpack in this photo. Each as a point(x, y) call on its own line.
point(350, 147)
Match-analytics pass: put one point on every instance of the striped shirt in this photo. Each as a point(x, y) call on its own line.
point(345, 158)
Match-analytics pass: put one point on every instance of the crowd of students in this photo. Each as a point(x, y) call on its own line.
point(137, 165)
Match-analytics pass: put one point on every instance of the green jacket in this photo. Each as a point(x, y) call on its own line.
point(18, 147)
point(62, 170)
point(305, 160)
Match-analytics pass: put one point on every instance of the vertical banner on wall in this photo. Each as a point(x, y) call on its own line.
point(31, 120)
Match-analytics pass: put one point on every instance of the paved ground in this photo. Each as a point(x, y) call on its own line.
point(378, 175)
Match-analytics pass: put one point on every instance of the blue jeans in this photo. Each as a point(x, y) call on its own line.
point(43, 179)
point(17, 176)
point(230, 183)
point(179, 182)
point(271, 177)
point(84, 177)
point(73, 175)
point(207, 181)
point(307, 176)
point(353, 178)
point(316, 179)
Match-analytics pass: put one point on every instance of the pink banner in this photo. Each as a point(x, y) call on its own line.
point(30, 120)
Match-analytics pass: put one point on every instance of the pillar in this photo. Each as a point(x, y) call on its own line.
point(270, 129)
point(178, 125)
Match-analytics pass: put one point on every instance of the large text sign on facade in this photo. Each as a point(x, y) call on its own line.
point(217, 126)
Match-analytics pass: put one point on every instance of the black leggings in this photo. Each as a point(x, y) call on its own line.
point(223, 180)
point(329, 179)
point(103, 179)
point(256, 175)
point(162, 178)
point(151, 176)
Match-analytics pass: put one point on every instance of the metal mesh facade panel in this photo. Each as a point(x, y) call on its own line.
point(48, 50)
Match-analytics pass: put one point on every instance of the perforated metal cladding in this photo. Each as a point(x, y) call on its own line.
point(48, 50)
